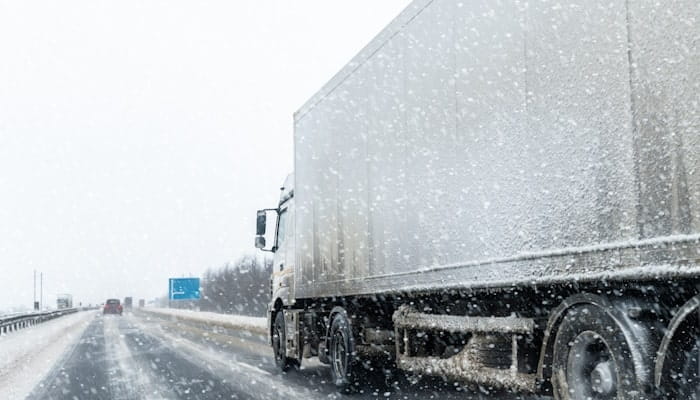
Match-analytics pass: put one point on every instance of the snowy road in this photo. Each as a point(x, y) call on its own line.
point(145, 357)
point(29, 354)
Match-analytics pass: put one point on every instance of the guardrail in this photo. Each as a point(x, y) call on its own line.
point(15, 322)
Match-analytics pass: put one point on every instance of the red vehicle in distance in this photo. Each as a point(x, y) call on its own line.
point(113, 306)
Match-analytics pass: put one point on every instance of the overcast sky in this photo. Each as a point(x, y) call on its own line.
point(137, 138)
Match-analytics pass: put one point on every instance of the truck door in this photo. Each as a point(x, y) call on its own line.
point(280, 241)
point(283, 271)
point(290, 255)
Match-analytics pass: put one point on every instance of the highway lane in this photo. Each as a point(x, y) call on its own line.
point(140, 356)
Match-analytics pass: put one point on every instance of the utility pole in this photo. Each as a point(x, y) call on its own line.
point(41, 290)
point(34, 301)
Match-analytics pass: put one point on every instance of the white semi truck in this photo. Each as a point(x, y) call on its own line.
point(502, 193)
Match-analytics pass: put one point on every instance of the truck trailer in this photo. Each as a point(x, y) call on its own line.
point(505, 194)
point(128, 303)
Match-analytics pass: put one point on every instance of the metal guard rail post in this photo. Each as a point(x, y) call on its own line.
point(15, 322)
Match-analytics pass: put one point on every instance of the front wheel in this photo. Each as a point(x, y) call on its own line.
point(279, 345)
point(592, 358)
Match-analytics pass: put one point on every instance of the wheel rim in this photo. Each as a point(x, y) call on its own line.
point(277, 345)
point(339, 355)
point(591, 372)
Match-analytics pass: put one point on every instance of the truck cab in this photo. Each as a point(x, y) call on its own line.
point(282, 248)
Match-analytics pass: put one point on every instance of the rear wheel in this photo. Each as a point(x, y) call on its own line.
point(345, 367)
point(592, 359)
point(683, 381)
point(279, 345)
point(691, 370)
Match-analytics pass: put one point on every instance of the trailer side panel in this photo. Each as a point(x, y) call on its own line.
point(484, 144)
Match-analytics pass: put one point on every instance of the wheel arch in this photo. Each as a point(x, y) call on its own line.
point(544, 369)
point(678, 321)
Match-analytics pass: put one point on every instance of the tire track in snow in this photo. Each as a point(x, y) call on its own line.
point(79, 374)
point(128, 379)
point(29, 355)
point(186, 378)
point(244, 378)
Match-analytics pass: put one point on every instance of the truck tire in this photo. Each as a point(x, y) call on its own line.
point(345, 367)
point(279, 345)
point(691, 370)
point(592, 359)
point(686, 382)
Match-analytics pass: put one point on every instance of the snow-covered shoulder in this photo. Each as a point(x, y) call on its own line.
point(242, 322)
point(27, 355)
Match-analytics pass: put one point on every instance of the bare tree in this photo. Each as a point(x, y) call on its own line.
point(239, 288)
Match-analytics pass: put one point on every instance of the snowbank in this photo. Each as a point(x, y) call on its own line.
point(239, 322)
point(27, 355)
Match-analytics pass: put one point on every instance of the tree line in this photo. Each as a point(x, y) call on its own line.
point(241, 287)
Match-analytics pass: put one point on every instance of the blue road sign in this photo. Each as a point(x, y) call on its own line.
point(184, 289)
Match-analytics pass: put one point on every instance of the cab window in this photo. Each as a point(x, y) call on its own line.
point(281, 229)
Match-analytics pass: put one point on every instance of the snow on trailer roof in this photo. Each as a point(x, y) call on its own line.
point(391, 30)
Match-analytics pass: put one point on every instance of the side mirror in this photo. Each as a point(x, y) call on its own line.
point(260, 242)
point(261, 224)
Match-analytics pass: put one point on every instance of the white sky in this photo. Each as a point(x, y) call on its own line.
point(137, 138)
